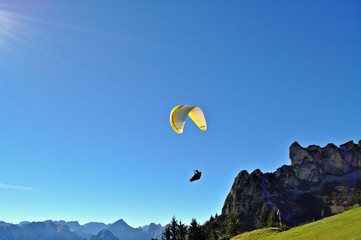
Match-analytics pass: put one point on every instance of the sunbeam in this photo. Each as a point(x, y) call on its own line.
point(39, 41)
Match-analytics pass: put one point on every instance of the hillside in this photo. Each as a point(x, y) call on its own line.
point(344, 226)
point(320, 182)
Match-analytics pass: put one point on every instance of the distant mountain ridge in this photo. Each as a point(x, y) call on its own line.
point(72, 230)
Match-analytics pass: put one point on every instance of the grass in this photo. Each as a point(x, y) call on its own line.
point(345, 226)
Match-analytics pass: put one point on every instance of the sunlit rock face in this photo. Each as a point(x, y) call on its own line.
point(352, 152)
point(286, 176)
point(331, 160)
point(245, 192)
point(310, 185)
point(313, 162)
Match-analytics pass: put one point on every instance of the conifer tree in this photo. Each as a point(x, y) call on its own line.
point(263, 216)
point(182, 231)
point(166, 235)
point(174, 228)
point(194, 232)
point(232, 227)
point(214, 235)
point(272, 218)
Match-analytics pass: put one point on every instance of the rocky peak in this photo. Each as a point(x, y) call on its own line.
point(297, 187)
point(104, 235)
point(298, 154)
point(313, 162)
point(121, 223)
point(285, 176)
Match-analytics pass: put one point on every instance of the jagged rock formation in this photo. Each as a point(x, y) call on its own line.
point(319, 181)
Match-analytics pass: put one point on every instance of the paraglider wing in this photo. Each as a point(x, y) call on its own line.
point(179, 115)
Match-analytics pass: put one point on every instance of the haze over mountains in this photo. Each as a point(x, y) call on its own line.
point(72, 230)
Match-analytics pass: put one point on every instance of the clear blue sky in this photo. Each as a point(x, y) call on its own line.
point(86, 88)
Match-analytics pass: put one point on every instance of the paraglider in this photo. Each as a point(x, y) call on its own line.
point(179, 114)
point(197, 176)
point(178, 117)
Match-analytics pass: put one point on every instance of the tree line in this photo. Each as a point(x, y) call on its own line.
point(225, 227)
point(177, 230)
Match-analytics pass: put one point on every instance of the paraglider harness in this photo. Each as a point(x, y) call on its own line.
point(197, 175)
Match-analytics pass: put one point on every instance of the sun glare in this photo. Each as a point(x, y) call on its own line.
point(3, 25)
point(24, 36)
point(7, 30)
point(33, 40)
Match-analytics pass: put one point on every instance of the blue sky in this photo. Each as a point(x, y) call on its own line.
point(86, 88)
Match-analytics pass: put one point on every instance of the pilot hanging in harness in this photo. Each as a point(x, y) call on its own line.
point(177, 119)
point(197, 175)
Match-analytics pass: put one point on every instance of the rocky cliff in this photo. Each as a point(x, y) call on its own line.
point(320, 181)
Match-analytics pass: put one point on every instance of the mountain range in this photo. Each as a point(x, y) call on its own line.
point(62, 230)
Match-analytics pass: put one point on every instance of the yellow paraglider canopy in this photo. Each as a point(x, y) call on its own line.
point(180, 113)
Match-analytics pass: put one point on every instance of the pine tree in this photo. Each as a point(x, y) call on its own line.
point(272, 218)
point(166, 235)
point(182, 231)
point(174, 228)
point(232, 226)
point(263, 216)
point(214, 235)
point(194, 232)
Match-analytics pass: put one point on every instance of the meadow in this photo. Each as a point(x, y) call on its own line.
point(345, 226)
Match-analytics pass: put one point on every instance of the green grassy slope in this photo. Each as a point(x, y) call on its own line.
point(344, 226)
